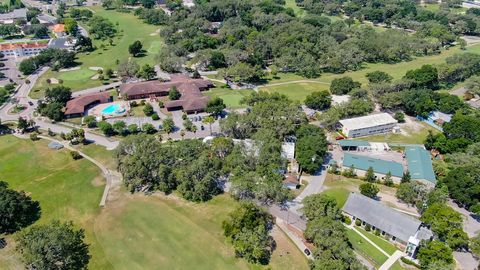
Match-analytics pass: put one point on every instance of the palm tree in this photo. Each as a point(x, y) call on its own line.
point(194, 130)
point(209, 120)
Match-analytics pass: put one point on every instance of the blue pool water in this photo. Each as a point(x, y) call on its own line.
point(113, 109)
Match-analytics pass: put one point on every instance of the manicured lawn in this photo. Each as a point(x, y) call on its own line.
point(366, 249)
point(340, 195)
point(379, 241)
point(397, 266)
point(76, 80)
point(297, 91)
point(230, 97)
point(66, 189)
point(100, 154)
point(130, 29)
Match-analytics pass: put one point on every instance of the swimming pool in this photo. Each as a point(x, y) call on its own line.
point(113, 109)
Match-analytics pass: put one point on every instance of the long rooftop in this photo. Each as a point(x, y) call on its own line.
point(378, 165)
point(381, 216)
point(368, 121)
point(420, 164)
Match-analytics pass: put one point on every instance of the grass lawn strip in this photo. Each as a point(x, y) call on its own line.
point(379, 241)
point(366, 249)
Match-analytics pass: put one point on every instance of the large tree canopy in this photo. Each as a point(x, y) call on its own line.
point(17, 210)
point(53, 246)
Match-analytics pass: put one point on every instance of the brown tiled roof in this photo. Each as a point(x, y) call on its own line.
point(183, 83)
point(190, 89)
point(58, 28)
point(78, 104)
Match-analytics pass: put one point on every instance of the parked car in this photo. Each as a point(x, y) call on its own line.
point(307, 251)
point(202, 127)
point(30, 103)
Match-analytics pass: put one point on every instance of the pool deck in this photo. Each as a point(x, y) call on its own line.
point(97, 111)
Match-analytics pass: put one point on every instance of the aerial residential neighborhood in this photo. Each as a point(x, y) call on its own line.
point(240, 134)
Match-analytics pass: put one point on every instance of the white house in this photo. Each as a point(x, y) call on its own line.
point(368, 125)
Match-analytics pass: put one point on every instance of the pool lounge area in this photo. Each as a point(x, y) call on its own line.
point(110, 110)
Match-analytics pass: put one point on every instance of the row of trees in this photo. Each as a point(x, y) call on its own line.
point(326, 231)
point(444, 24)
point(55, 58)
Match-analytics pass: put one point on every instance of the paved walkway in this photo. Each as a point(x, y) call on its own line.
point(112, 178)
point(296, 240)
point(391, 260)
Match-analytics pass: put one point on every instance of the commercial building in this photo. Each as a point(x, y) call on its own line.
point(380, 167)
point(14, 50)
point(420, 165)
point(368, 125)
point(392, 224)
point(76, 107)
point(191, 101)
point(10, 17)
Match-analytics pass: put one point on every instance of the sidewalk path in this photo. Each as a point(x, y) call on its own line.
point(391, 260)
point(296, 240)
point(112, 178)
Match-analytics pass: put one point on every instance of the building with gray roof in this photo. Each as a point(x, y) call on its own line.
point(399, 227)
point(10, 17)
point(368, 125)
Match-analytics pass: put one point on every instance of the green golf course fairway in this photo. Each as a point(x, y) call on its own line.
point(132, 231)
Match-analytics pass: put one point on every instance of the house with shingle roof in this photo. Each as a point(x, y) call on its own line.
point(391, 224)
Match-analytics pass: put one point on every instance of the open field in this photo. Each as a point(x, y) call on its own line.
point(366, 249)
point(132, 231)
point(299, 90)
point(129, 29)
point(160, 222)
point(66, 189)
point(230, 97)
point(415, 136)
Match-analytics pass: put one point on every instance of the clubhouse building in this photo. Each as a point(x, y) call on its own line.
point(191, 101)
point(76, 107)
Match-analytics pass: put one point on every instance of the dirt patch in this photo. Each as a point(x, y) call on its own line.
point(95, 77)
point(95, 68)
point(98, 181)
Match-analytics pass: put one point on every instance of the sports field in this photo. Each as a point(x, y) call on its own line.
point(132, 231)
